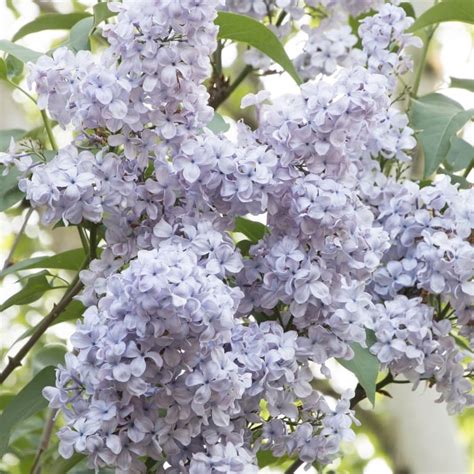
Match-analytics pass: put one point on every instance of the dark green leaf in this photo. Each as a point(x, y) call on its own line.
point(247, 30)
point(20, 52)
point(72, 312)
point(244, 247)
point(102, 13)
point(365, 366)
point(26, 403)
point(34, 289)
point(437, 118)
point(449, 10)
point(460, 83)
point(50, 21)
point(460, 154)
point(79, 36)
point(69, 260)
point(218, 124)
point(251, 229)
point(409, 10)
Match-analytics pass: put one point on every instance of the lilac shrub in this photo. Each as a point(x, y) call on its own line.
point(194, 351)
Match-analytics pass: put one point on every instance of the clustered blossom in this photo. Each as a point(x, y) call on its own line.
point(195, 352)
point(411, 343)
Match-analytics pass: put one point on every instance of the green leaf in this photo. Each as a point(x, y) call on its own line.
point(20, 52)
point(7, 135)
point(437, 118)
point(26, 403)
point(409, 10)
point(460, 154)
point(244, 246)
point(3, 69)
point(62, 466)
point(461, 181)
point(365, 366)
point(69, 260)
point(15, 68)
point(247, 30)
point(49, 355)
point(462, 342)
point(50, 21)
point(251, 229)
point(9, 192)
point(79, 36)
point(34, 289)
point(266, 459)
point(460, 83)
point(72, 312)
point(449, 10)
point(218, 124)
point(102, 13)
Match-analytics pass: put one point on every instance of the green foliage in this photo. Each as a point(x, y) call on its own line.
point(26, 403)
point(102, 13)
point(72, 312)
point(459, 156)
point(251, 229)
point(79, 37)
point(448, 10)
point(218, 124)
point(65, 465)
point(20, 52)
point(459, 83)
point(49, 356)
point(49, 21)
point(69, 260)
point(365, 366)
point(437, 119)
point(247, 30)
point(3, 70)
point(7, 135)
point(36, 286)
point(266, 459)
point(9, 192)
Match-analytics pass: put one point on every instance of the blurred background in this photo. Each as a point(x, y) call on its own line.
point(406, 434)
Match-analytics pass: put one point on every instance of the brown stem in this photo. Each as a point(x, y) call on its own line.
point(44, 443)
point(221, 89)
point(15, 361)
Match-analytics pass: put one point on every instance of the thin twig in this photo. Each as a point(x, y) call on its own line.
point(49, 131)
point(8, 260)
point(220, 96)
point(13, 362)
point(44, 442)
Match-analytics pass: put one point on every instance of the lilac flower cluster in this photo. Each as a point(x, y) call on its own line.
point(411, 343)
point(429, 232)
point(384, 41)
point(190, 352)
point(158, 81)
point(164, 369)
